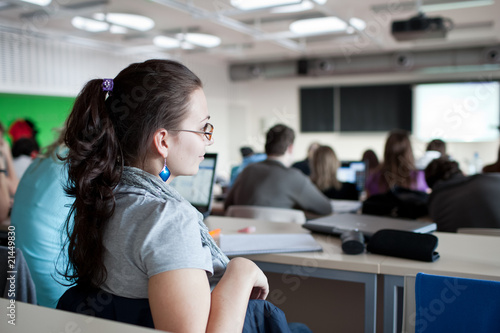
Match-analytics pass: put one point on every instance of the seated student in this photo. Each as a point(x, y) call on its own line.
point(397, 168)
point(371, 161)
point(249, 157)
point(134, 236)
point(23, 152)
point(435, 149)
point(38, 214)
point(494, 167)
point(324, 165)
point(4, 192)
point(11, 179)
point(459, 201)
point(304, 165)
point(273, 183)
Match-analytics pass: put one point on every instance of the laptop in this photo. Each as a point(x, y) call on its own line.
point(336, 224)
point(352, 172)
point(198, 189)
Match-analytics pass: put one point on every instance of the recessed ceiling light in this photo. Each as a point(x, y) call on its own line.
point(257, 4)
point(132, 21)
point(116, 29)
point(318, 25)
point(301, 7)
point(39, 2)
point(166, 42)
point(89, 24)
point(357, 23)
point(186, 45)
point(203, 40)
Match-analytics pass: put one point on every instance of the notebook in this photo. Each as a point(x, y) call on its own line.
point(244, 244)
point(352, 172)
point(336, 224)
point(198, 189)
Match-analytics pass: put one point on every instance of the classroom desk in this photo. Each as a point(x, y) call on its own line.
point(332, 263)
point(33, 318)
point(461, 255)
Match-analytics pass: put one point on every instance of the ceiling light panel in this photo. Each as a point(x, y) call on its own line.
point(203, 40)
point(318, 25)
point(166, 42)
point(39, 2)
point(301, 7)
point(258, 4)
point(131, 21)
point(89, 25)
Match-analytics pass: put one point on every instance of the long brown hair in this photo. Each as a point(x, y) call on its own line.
point(399, 161)
point(324, 165)
point(105, 132)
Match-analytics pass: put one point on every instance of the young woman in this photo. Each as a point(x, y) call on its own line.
point(397, 168)
point(134, 236)
point(324, 165)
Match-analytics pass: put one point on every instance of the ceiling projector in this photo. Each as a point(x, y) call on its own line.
point(421, 27)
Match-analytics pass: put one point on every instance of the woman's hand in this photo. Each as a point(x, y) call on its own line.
point(261, 287)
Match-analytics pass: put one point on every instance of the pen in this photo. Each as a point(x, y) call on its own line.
point(214, 232)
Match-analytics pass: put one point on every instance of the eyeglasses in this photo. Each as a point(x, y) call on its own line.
point(208, 130)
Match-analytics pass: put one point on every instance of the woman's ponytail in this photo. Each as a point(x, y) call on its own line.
point(94, 169)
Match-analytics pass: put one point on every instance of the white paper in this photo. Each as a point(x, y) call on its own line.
point(267, 243)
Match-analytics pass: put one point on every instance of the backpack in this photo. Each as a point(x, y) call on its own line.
point(397, 202)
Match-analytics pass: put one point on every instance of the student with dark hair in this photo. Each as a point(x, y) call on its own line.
point(134, 236)
point(371, 161)
point(397, 168)
point(24, 152)
point(248, 157)
point(324, 165)
point(459, 201)
point(305, 165)
point(273, 183)
point(435, 149)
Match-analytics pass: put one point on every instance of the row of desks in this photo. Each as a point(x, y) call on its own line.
point(469, 256)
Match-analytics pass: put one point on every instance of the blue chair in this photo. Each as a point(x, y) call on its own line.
point(452, 304)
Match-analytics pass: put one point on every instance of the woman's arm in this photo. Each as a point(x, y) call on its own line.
point(181, 301)
point(4, 193)
point(12, 179)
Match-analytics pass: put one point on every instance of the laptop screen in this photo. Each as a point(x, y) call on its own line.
point(352, 172)
point(197, 189)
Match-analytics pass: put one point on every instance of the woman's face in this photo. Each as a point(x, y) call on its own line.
point(187, 149)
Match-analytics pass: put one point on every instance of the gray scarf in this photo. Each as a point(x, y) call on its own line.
point(136, 177)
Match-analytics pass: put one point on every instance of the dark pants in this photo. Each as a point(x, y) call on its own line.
point(261, 315)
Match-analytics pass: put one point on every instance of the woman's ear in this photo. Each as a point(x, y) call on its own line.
point(160, 142)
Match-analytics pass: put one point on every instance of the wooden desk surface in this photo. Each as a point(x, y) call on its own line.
point(33, 318)
point(461, 255)
point(332, 256)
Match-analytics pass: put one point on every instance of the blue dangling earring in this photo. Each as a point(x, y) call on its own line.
point(164, 173)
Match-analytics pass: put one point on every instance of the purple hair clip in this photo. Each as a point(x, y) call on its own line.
point(107, 85)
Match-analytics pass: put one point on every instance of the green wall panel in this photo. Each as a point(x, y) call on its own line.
point(47, 112)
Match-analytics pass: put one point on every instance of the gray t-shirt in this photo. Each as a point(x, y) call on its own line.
point(148, 235)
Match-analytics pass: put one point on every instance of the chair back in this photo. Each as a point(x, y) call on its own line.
point(451, 304)
point(480, 231)
point(15, 277)
point(272, 214)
